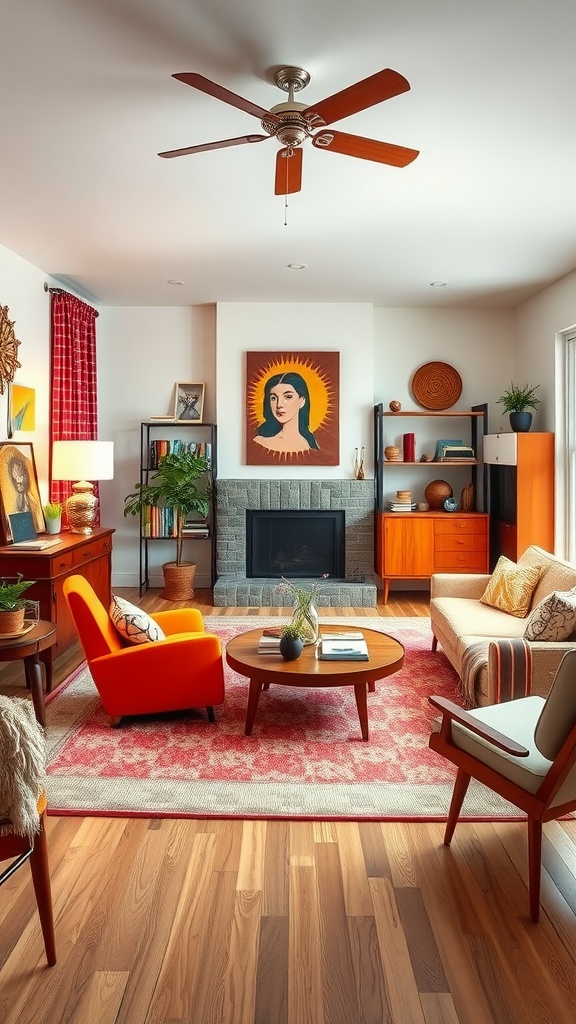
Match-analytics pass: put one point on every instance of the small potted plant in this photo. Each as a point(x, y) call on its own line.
point(12, 607)
point(175, 485)
point(291, 643)
point(53, 514)
point(517, 401)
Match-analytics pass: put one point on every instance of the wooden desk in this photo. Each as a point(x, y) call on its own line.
point(386, 657)
point(89, 556)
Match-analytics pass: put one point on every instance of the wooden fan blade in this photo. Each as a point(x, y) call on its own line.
point(220, 93)
point(168, 154)
point(288, 172)
point(381, 86)
point(366, 149)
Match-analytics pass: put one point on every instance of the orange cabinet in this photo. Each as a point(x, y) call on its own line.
point(413, 545)
point(521, 478)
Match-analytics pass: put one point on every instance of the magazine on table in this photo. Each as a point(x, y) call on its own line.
point(343, 650)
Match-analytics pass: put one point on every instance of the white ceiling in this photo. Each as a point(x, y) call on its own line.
point(489, 206)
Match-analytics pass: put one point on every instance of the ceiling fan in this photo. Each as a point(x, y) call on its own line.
point(292, 123)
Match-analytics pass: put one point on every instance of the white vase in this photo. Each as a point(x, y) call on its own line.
point(54, 525)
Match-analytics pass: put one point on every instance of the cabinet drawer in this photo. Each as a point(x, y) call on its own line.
point(461, 561)
point(453, 527)
point(94, 549)
point(465, 542)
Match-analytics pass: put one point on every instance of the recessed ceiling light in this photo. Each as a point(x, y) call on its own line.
point(297, 266)
point(173, 281)
point(438, 284)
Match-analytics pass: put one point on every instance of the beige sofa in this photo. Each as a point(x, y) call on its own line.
point(464, 627)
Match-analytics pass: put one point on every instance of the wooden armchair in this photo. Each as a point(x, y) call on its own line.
point(185, 670)
point(523, 749)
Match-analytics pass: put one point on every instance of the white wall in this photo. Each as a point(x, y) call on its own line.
point(292, 327)
point(22, 290)
point(539, 352)
point(142, 352)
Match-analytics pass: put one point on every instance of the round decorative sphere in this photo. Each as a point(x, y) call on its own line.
point(436, 494)
point(450, 505)
point(392, 453)
point(395, 406)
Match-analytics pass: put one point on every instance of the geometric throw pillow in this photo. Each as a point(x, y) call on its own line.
point(133, 624)
point(511, 587)
point(554, 618)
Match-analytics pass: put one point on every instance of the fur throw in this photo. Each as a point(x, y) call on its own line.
point(22, 765)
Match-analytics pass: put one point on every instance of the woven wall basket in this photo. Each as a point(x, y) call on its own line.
point(436, 386)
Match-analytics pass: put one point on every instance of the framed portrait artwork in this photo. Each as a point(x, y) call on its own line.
point(189, 402)
point(293, 408)
point(20, 504)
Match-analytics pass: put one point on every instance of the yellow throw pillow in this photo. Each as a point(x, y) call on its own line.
point(511, 587)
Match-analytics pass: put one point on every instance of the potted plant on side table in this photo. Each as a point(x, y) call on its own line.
point(53, 514)
point(175, 485)
point(517, 401)
point(12, 606)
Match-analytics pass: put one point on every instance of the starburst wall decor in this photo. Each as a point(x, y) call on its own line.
point(8, 349)
point(292, 408)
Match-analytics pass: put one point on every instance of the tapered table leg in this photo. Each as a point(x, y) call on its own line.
point(253, 699)
point(360, 691)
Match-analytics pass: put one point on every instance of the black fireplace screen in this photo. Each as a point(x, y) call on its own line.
point(295, 544)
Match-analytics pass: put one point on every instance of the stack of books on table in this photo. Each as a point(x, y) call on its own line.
point(343, 647)
point(269, 642)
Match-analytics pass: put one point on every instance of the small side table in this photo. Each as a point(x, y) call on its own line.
point(27, 648)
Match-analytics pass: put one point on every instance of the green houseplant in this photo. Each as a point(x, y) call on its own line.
point(53, 513)
point(175, 484)
point(291, 642)
point(517, 401)
point(12, 606)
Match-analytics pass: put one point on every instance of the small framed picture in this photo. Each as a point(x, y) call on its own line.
point(20, 505)
point(189, 402)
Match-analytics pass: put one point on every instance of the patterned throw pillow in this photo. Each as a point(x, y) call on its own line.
point(554, 618)
point(511, 587)
point(134, 624)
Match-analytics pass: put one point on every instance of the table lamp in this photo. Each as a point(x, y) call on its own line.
point(78, 461)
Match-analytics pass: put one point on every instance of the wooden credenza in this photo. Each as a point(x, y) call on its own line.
point(90, 556)
point(413, 545)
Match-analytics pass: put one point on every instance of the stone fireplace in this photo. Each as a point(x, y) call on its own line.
point(352, 584)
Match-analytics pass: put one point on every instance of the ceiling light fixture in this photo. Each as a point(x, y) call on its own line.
point(175, 282)
point(438, 284)
point(297, 266)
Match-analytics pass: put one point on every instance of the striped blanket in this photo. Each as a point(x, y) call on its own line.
point(509, 664)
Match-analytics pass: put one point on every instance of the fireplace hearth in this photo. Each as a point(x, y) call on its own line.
point(295, 544)
point(353, 584)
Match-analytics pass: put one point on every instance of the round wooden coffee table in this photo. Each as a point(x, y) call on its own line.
point(27, 648)
point(386, 657)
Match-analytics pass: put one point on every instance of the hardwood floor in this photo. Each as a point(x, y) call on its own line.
point(255, 922)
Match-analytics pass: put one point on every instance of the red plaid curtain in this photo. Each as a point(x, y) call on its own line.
point(73, 398)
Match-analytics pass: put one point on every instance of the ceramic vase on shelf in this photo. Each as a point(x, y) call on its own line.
point(520, 422)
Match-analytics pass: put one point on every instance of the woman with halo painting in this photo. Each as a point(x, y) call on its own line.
point(286, 411)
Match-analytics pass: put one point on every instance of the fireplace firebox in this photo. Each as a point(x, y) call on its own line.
point(295, 544)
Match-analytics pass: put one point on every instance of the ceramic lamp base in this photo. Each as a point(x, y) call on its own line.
point(82, 508)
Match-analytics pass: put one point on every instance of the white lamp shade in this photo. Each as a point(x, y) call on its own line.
point(83, 460)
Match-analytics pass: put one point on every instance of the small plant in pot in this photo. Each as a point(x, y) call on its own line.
point(175, 485)
point(517, 401)
point(12, 606)
point(291, 643)
point(53, 514)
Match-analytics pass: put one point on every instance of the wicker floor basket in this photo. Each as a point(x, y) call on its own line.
point(178, 581)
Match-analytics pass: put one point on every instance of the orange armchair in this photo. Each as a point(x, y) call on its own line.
point(185, 670)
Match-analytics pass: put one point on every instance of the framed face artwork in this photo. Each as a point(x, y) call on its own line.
point(189, 402)
point(293, 408)
point(20, 503)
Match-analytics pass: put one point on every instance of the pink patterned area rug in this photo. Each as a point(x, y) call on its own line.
point(305, 758)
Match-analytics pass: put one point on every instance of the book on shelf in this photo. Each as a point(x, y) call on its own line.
point(160, 446)
point(343, 650)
